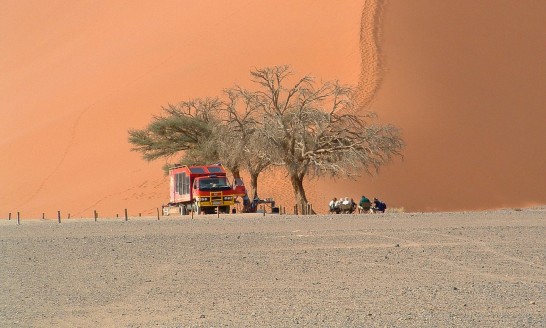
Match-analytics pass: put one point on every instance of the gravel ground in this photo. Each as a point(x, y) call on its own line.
point(470, 269)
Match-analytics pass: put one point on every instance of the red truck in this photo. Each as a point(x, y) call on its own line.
point(201, 189)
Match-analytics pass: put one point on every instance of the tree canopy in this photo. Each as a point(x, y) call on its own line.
point(310, 129)
point(317, 130)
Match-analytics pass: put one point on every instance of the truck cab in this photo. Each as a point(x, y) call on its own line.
point(202, 189)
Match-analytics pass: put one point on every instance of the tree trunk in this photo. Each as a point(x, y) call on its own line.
point(254, 185)
point(236, 173)
point(299, 193)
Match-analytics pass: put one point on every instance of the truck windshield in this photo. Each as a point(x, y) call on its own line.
point(219, 183)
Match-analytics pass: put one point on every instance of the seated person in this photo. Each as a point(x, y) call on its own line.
point(339, 202)
point(379, 206)
point(364, 205)
point(346, 205)
point(353, 205)
point(333, 206)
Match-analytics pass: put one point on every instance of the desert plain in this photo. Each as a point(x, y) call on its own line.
point(450, 269)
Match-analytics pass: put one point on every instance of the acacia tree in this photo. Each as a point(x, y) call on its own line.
point(315, 130)
point(183, 127)
point(311, 130)
point(243, 126)
point(206, 131)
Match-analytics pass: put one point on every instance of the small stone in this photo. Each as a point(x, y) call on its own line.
point(202, 316)
point(532, 302)
point(397, 245)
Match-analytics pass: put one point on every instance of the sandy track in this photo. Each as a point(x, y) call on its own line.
point(395, 270)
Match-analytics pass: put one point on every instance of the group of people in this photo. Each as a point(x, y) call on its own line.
point(347, 205)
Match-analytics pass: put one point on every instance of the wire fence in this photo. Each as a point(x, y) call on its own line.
point(303, 209)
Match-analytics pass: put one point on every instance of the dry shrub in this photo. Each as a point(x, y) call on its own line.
point(395, 210)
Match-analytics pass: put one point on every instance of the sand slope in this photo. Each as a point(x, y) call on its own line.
point(464, 81)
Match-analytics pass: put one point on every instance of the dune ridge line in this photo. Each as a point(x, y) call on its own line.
point(371, 74)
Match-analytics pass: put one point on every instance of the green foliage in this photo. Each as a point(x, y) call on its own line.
point(185, 127)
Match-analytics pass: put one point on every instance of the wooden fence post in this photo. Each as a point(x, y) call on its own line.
point(9, 216)
point(18, 219)
point(218, 212)
point(157, 208)
point(59, 216)
point(126, 217)
point(43, 216)
point(95, 215)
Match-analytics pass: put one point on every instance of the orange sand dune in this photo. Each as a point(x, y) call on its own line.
point(463, 80)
